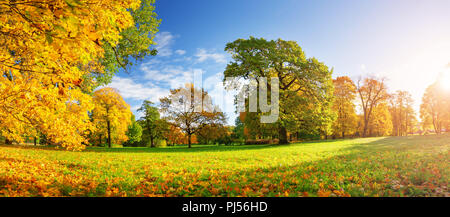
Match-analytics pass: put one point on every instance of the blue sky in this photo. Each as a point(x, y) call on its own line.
point(408, 42)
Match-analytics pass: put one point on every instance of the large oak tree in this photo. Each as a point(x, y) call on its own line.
point(305, 84)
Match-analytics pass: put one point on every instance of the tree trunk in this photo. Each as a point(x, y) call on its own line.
point(364, 134)
point(189, 141)
point(99, 140)
point(343, 134)
point(35, 141)
point(282, 136)
point(109, 133)
point(8, 142)
point(152, 144)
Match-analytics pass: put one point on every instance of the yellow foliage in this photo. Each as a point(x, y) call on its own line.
point(111, 110)
point(46, 48)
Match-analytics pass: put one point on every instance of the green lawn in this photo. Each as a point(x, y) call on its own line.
point(390, 166)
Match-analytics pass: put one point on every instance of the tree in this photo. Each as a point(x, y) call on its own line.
point(111, 115)
point(238, 130)
point(305, 84)
point(174, 135)
point(435, 108)
point(191, 109)
point(381, 123)
point(402, 113)
point(371, 92)
point(134, 44)
point(343, 106)
point(211, 133)
point(134, 132)
point(47, 49)
point(149, 120)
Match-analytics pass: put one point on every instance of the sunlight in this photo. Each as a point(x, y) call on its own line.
point(445, 80)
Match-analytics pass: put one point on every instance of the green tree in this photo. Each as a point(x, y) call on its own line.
point(135, 44)
point(134, 132)
point(305, 84)
point(149, 120)
point(238, 130)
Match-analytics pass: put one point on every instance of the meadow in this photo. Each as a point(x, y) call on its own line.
point(384, 166)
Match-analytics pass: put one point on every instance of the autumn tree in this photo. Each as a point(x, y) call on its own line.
point(305, 84)
point(380, 123)
point(111, 115)
point(191, 109)
point(344, 107)
point(371, 92)
point(134, 44)
point(435, 107)
point(149, 121)
point(174, 135)
point(211, 133)
point(47, 49)
point(402, 113)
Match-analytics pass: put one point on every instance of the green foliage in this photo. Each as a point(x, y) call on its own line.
point(306, 89)
point(149, 121)
point(134, 133)
point(238, 131)
point(134, 45)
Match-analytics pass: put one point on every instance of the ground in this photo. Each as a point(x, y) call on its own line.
point(390, 166)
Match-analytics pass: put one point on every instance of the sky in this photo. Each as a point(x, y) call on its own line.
point(408, 42)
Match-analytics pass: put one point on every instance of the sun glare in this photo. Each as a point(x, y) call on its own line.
point(445, 81)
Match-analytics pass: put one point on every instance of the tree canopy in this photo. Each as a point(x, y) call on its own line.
point(305, 84)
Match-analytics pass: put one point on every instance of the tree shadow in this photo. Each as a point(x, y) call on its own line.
point(181, 149)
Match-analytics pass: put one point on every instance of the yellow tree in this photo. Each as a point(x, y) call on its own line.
point(111, 115)
point(46, 48)
point(402, 113)
point(343, 106)
point(381, 123)
point(371, 92)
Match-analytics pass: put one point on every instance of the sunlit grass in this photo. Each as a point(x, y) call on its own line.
point(393, 166)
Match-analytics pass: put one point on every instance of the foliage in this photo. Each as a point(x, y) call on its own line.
point(150, 122)
point(111, 115)
point(402, 113)
point(396, 166)
point(371, 92)
point(344, 107)
point(305, 83)
point(435, 108)
point(134, 133)
point(191, 110)
point(134, 44)
point(381, 123)
point(211, 133)
point(47, 48)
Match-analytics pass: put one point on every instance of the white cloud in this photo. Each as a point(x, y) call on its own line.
point(164, 41)
point(180, 52)
point(203, 55)
point(132, 90)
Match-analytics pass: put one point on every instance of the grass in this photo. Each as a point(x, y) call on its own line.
point(390, 166)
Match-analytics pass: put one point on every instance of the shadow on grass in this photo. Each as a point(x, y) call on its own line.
point(194, 149)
